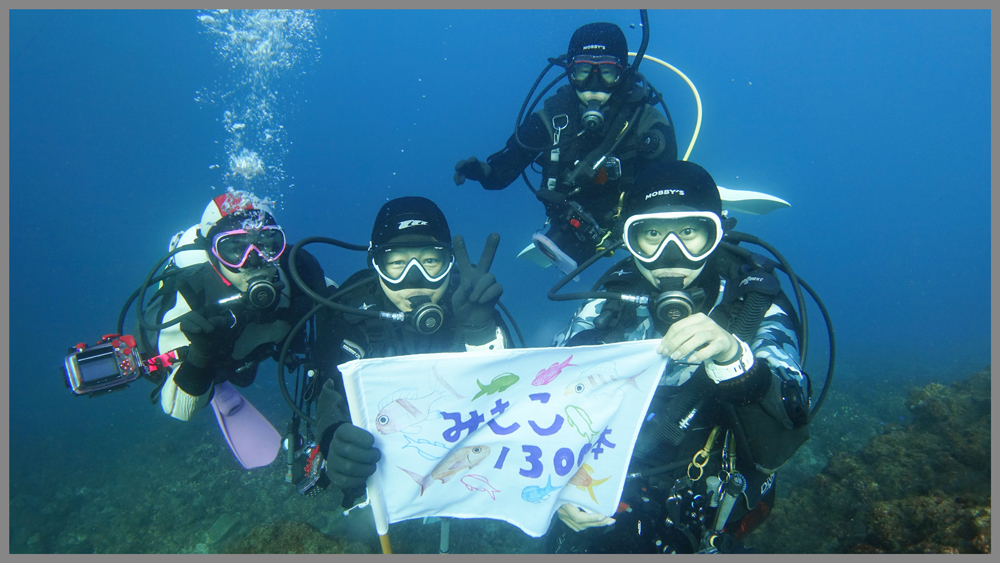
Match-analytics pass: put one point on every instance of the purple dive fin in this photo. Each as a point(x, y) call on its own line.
point(254, 441)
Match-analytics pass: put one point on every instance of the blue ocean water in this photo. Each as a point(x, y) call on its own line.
point(874, 125)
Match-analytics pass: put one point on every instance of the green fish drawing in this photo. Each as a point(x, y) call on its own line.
point(580, 420)
point(499, 383)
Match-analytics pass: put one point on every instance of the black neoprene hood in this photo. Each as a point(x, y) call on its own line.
point(411, 215)
point(675, 185)
point(600, 38)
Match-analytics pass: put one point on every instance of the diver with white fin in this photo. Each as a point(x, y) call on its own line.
point(590, 139)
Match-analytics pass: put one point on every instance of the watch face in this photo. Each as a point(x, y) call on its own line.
point(723, 373)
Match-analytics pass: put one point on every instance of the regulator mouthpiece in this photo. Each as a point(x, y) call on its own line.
point(593, 118)
point(673, 303)
point(426, 317)
point(262, 293)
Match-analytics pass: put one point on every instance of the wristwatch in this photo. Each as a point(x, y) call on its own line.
point(742, 364)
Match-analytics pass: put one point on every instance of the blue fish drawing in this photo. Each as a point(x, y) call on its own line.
point(426, 448)
point(537, 494)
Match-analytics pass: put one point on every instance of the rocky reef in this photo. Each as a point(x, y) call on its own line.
point(896, 464)
point(922, 487)
point(292, 537)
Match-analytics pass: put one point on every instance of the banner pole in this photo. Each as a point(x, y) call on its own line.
point(359, 416)
point(379, 510)
point(384, 539)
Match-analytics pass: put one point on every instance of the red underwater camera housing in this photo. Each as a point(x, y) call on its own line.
point(109, 365)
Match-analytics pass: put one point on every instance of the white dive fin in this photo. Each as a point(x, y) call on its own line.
point(746, 201)
point(545, 253)
point(532, 253)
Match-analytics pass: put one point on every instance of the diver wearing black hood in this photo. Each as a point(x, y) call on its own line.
point(414, 268)
point(591, 139)
point(733, 403)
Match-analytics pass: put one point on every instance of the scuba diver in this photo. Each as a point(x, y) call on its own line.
point(733, 403)
point(233, 302)
point(590, 138)
point(417, 271)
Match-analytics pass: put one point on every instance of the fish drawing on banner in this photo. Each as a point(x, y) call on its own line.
point(426, 448)
point(479, 483)
point(597, 377)
point(580, 420)
point(546, 375)
point(459, 460)
point(537, 494)
point(583, 480)
point(403, 410)
point(500, 383)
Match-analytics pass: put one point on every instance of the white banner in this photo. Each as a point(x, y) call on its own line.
point(507, 434)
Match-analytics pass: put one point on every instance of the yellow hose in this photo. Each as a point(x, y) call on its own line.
point(697, 98)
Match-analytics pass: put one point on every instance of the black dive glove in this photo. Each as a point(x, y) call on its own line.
point(212, 340)
point(472, 169)
point(478, 292)
point(350, 456)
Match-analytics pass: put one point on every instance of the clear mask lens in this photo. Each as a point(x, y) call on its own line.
point(393, 263)
point(609, 68)
point(695, 234)
point(232, 248)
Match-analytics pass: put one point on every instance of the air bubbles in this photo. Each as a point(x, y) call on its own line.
point(246, 164)
point(262, 51)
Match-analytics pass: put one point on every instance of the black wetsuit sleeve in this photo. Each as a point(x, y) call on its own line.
point(508, 163)
point(337, 341)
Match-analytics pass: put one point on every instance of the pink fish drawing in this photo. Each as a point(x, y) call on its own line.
point(459, 460)
point(479, 483)
point(545, 376)
point(403, 409)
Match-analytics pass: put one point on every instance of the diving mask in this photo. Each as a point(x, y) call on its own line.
point(413, 267)
point(695, 235)
point(582, 67)
point(232, 248)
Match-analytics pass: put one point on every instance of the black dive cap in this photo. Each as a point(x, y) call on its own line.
point(673, 185)
point(411, 215)
point(597, 39)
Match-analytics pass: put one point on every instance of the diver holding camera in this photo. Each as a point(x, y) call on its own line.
point(234, 300)
point(223, 304)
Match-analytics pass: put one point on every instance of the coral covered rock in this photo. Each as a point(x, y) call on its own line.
point(923, 488)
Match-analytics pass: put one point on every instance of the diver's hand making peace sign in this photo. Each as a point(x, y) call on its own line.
point(478, 291)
